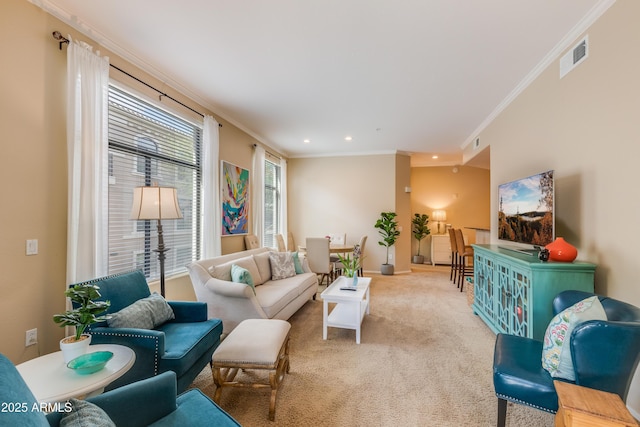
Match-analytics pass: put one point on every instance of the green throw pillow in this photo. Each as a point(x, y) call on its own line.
point(146, 313)
point(556, 350)
point(85, 414)
point(296, 263)
point(242, 275)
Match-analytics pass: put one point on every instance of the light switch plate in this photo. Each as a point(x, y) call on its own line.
point(32, 247)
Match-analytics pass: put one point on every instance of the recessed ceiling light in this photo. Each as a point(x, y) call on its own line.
point(435, 156)
point(348, 138)
point(306, 141)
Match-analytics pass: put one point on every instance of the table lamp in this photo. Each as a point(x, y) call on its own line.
point(156, 203)
point(439, 216)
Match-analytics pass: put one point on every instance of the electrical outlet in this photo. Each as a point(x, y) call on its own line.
point(390, 256)
point(31, 337)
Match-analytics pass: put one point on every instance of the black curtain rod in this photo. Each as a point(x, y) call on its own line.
point(277, 156)
point(58, 36)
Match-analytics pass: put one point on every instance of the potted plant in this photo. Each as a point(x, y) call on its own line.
point(350, 266)
point(420, 231)
point(86, 312)
point(388, 229)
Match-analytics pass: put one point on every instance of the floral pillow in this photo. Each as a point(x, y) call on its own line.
point(556, 350)
point(282, 265)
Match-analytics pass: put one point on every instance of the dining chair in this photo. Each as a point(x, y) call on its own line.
point(338, 238)
point(280, 242)
point(251, 241)
point(291, 244)
point(318, 257)
point(363, 242)
point(465, 253)
point(454, 256)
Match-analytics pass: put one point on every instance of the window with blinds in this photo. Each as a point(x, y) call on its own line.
point(148, 145)
point(271, 204)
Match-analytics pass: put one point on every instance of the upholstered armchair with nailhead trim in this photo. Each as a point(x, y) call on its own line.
point(604, 355)
point(184, 344)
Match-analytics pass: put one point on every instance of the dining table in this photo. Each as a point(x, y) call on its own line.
point(333, 249)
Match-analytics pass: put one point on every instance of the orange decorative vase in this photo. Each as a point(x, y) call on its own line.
point(560, 250)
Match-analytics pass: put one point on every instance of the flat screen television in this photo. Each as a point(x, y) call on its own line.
point(526, 212)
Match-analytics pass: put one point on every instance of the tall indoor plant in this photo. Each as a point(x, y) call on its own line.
point(86, 311)
point(420, 230)
point(388, 229)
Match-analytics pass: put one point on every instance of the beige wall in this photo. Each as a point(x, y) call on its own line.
point(585, 127)
point(465, 196)
point(33, 171)
point(342, 195)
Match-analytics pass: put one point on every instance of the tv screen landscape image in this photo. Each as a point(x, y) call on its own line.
point(526, 210)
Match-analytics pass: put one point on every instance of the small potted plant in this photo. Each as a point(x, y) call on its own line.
point(86, 312)
point(420, 231)
point(350, 266)
point(388, 229)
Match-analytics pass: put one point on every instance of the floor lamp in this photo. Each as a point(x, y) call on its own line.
point(156, 203)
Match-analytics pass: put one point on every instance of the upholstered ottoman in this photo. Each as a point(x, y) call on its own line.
point(253, 344)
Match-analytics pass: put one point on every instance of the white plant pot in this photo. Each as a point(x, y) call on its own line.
point(73, 349)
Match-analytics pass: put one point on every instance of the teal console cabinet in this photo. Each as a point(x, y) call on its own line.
point(513, 292)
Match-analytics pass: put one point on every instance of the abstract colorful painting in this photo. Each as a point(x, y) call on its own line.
point(235, 200)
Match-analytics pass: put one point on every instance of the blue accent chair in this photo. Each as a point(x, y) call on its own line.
point(183, 345)
point(150, 402)
point(605, 355)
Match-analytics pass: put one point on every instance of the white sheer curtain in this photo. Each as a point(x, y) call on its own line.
point(211, 207)
point(257, 189)
point(283, 200)
point(87, 151)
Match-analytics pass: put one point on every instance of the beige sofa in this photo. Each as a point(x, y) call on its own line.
point(234, 302)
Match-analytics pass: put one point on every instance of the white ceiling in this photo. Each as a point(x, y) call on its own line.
point(417, 76)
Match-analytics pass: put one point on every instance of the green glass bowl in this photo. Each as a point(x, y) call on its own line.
point(90, 362)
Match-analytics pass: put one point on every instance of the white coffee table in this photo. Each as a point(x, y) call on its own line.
point(351, 306)
point(50, 380)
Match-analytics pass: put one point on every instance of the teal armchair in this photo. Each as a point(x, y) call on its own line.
point(150, 402)
point(183, 345)
point(605, 355)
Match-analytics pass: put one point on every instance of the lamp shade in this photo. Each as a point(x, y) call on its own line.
point(155, 203)
point(439, 215)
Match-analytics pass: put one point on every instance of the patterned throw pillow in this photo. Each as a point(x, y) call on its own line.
point(146, 313)
point(281, 265)
point(83, 414)
point(556, 350)
point(242, 275)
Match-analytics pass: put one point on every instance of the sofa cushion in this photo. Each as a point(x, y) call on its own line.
point(264, 266)
point(85, 414)
point(275, 295)
point(146, 313)
point(282, 265)
point(556, 350)
point(242, 275)
point(223, 271)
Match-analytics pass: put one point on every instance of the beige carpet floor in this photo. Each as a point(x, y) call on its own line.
point(425, 360)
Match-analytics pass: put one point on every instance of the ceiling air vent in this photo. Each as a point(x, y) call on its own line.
point(575, 56)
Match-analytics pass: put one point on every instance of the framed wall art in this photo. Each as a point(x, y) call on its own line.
point(235, 199)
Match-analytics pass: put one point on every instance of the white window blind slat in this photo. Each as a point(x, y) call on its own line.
point(148, 145)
